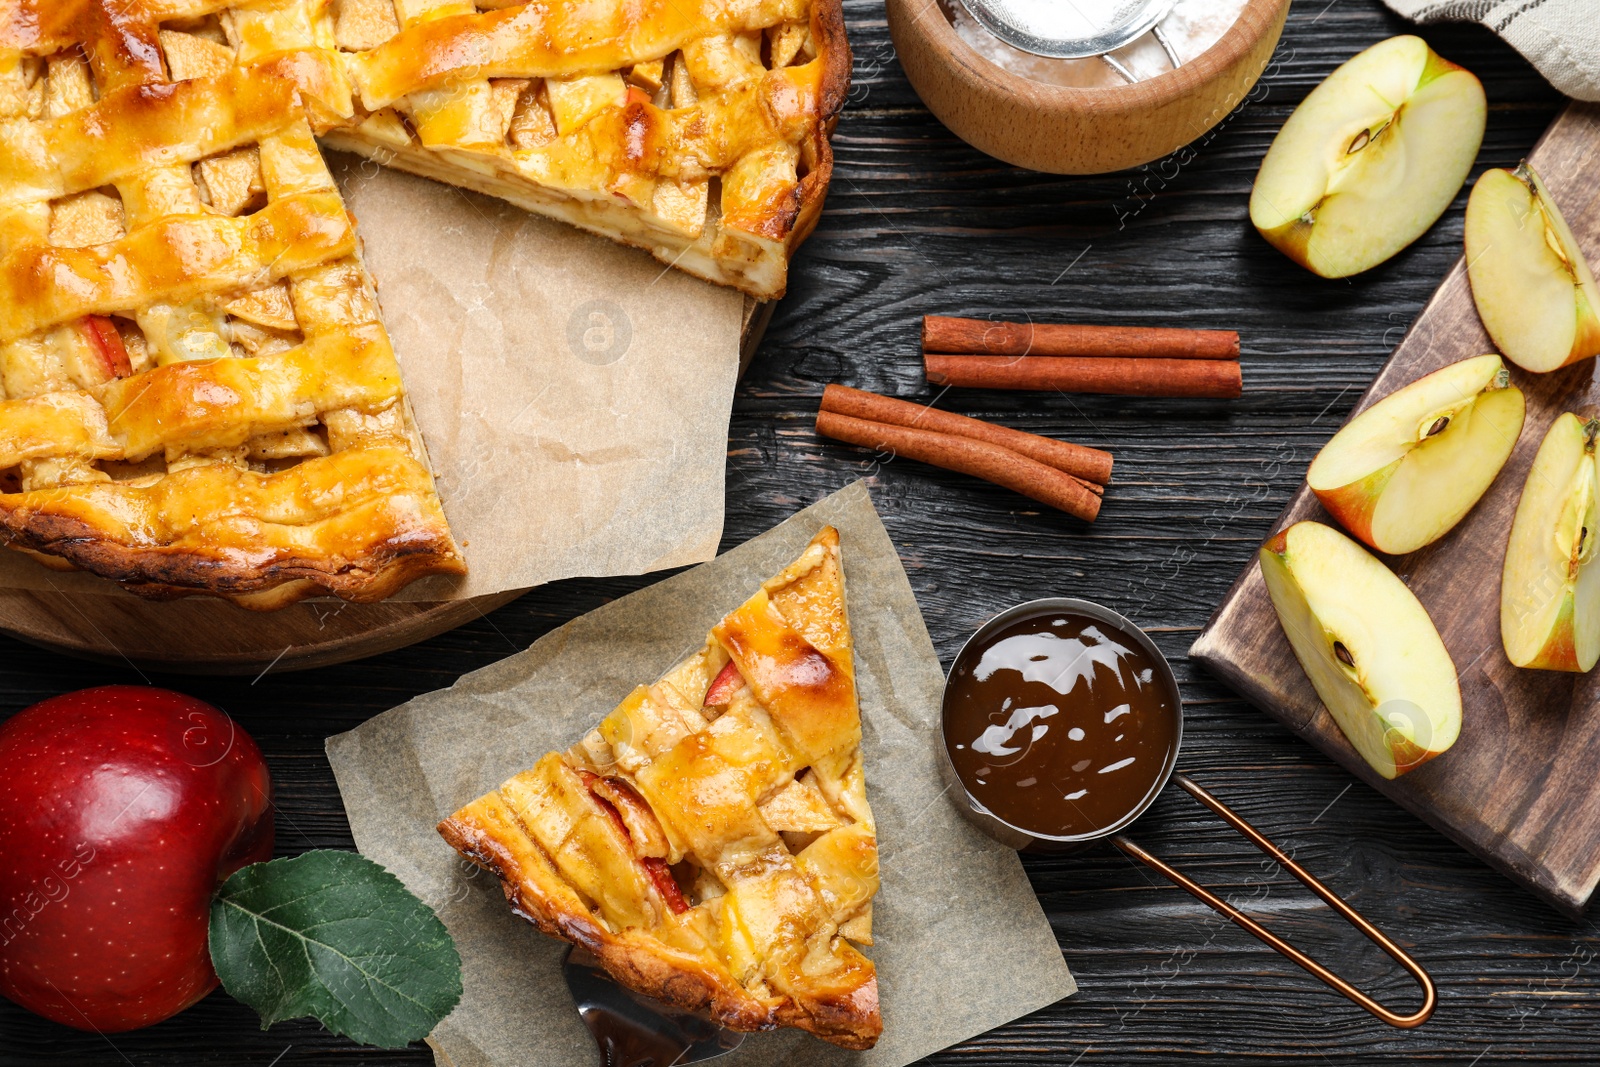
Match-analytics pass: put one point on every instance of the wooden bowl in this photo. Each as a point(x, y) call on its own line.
point(1079, 131)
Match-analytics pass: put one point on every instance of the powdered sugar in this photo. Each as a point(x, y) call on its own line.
point(1191, 27)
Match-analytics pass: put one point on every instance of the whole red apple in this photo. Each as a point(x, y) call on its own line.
point(122, 809)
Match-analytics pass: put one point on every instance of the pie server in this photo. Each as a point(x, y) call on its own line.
point(1017, 838)
point(1075, 29)
point(632, 1030)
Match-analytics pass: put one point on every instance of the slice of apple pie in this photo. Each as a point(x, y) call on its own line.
point(711, 841)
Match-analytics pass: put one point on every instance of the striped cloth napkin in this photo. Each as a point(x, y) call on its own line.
point(1559, 37)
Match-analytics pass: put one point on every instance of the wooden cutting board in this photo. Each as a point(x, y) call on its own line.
point(1521, 788)
point(204, 636)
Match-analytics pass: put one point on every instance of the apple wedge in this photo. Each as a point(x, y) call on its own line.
point(1370, 159)
point(1534, 291)
point(1402, 473)
point(1367, 645)
point(1550, 587)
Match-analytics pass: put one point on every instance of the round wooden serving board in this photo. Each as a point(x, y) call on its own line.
point(204, 636)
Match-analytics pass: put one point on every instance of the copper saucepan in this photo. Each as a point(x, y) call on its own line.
point(1022, 839)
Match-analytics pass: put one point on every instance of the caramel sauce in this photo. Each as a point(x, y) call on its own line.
point(1059, 724)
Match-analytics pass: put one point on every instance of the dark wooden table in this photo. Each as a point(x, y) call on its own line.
point(917, 222)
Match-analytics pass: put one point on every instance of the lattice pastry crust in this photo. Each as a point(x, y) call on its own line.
point(696, 129)
point(196, 392)
point(711, 841)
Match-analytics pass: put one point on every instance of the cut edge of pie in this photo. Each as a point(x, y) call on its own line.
point(711, 841)
point(670, 216)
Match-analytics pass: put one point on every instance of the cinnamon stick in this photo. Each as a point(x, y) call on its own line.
point(992, 463)
point(982, 337)
point(1089, 464)
point(1122, 377)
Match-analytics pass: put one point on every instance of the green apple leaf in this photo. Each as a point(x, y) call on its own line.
point(334, 936)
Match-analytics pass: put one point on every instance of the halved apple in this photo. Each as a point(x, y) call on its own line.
point(1550, 587)
point(1370, 159)
point(1534, 290)
point(1367, 645)
point(1402, 473)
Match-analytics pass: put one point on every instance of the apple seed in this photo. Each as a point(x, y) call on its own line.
point(1438, 426)
point(1344, 654)
point(1360, 142)
point(1554, 243)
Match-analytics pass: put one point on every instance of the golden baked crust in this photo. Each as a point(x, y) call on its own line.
point(711, 841)
point(695, 129)
point(196, 392)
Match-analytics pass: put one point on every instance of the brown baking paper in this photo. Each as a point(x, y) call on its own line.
point(573, 394)
point(962, 945)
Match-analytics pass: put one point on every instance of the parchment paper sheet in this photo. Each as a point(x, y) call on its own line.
point(573, 394)
point(962, 945)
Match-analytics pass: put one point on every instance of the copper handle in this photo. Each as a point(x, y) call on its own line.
point(1216, 903)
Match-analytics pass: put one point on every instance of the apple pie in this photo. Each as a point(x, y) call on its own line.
point(711, 840)
point(695, 129)
point(196, 392)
